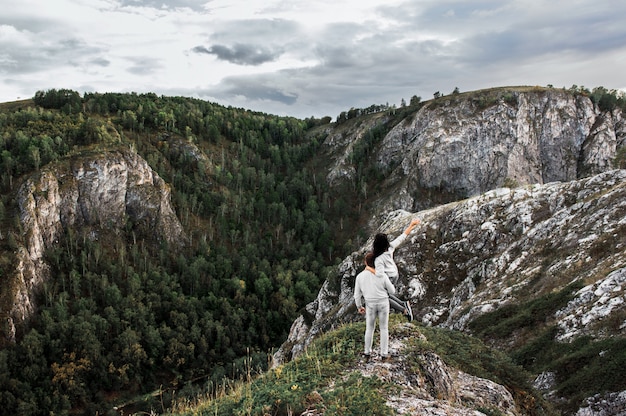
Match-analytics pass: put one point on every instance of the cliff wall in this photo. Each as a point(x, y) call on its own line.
point(98, 191)
point(462, 145)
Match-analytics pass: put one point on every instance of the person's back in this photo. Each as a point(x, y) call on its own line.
point(375, 291)
point(372, 287)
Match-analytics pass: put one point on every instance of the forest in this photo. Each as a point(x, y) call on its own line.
point(111, 327)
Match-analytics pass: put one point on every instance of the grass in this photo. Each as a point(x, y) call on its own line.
point(510, 318)
point(485, 98)
point(324, 378)
point(583, 367)
point(309, 382)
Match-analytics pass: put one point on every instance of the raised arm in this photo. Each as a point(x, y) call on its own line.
point(414, 223)
point(399, 239)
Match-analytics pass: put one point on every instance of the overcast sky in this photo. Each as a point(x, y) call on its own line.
point(308, 58)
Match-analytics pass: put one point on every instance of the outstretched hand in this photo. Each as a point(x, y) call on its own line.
point(414, 222)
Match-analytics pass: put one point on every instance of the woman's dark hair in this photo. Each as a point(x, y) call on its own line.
point(381, 244)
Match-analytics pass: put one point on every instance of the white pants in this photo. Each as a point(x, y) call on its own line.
point(372, 311)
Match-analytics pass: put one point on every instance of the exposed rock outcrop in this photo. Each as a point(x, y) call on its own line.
point(102, 190)
point(436, 389)
point(504, 246)
point(612, 404)
point(460, 147)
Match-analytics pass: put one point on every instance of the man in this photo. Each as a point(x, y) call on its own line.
point(375, 290)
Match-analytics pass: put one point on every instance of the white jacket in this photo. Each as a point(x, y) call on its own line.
point(384, 264)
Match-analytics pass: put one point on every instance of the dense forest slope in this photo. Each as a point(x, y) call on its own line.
point(148, 241)
point(153, 243)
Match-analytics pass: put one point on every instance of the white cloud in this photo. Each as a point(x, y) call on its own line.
point(307, 58)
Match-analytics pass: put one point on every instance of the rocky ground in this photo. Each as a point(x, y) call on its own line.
point(436, 389)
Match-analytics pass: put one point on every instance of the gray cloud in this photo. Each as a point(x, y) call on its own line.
point(270, 31)
point(143, 65)
point(101, 62)
point(165, 4)
point(492, 31)
point(241, 54)
point(260, 88)
point(45, 54)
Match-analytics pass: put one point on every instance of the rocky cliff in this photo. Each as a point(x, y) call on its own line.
point(542, 144)
point(504, 247)
point(98, 191)
point(463, 145)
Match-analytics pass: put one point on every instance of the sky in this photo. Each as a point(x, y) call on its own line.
point(308, 58)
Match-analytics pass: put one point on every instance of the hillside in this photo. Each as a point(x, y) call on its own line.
point(147, 241)
point(154, 243)
point(433, 371)
point(538, 272)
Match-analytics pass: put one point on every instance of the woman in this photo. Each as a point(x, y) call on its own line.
point(386, 266)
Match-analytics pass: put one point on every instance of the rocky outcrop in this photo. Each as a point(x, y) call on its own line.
point(458, 146)
point(612, 404)
point(102, 191)
point(504, 246)
point(435, 388)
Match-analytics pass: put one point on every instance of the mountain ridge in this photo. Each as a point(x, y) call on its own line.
point(456, 146)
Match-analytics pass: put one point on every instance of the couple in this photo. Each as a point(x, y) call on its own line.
point(375, 286)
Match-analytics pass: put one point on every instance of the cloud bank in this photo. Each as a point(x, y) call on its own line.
point(308, 58)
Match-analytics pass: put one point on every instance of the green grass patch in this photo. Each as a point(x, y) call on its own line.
point(509, 318)
point(583, 367)
point(324, 377)
point(318, 379)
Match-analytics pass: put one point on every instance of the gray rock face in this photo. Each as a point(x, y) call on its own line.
point(436, 388)
point(101, 191)
point(456, 147)
point(611, 404)
point(506, 245)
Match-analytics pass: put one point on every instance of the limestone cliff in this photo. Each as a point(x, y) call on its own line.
point(463, 145)
point(101, 190)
